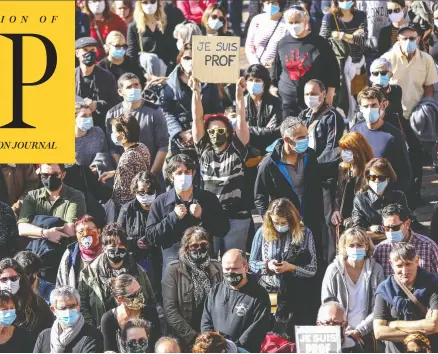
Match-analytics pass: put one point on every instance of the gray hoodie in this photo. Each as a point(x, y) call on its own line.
point(334, 286)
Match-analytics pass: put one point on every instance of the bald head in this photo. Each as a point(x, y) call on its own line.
point(331, 314)
point(167, 345)
point(234, 255)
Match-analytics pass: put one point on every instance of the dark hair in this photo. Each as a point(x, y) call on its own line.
point(127, 124)
point(112, 232)
point(230, 109)
point(370, 93)
point(337, 11)
point(398, 2)
point(178, 159)
point(282, 3)
point(403, 251)
point(29, 261)
point(195, 231)
point(6, 297)
point(126, 77)
point(396, 209)
point(107, 14)
point(127, 3)
point(119, 284)
point(317, 82)
point(61, 165)
point(208, 118)
point(136, 323)
point(147, 178)
point(88, 218)
point(210, 342)
point(382, 166)
point(259, 71)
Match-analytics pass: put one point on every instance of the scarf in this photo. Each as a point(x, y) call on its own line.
point(425, 284)
point(89, 255)
point(200, 279)
point(274, 250)
point(59, 339)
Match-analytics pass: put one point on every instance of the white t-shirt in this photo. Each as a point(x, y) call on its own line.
point(357, 299)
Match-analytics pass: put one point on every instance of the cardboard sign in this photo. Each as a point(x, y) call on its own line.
point(318, 339)
point(37, 81)
point(216, 59)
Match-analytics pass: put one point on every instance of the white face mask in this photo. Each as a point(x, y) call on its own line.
point(146, 199)
point(312, 101)
point(396, 17)
point(96, 7)
point(347, 156)
point(11, 286)
point(295, 29)
point(187, 65)
point(149, 9)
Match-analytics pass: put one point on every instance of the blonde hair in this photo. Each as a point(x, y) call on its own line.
point(186, 31)
point(113, 36)
point(355, 234)
point(141, 21)
point(283, 208)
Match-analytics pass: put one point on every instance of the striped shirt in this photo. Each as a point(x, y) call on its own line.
point(260, 30)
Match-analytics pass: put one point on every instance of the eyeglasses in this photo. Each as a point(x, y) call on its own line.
point(149, 2)
point(120, 46)
point(215, 17)
point(374, 178)
point(13, 279)
point(382, 73)
point(408, 38)
point(396, 11)
point(47, 175)
point(143, 193)
point(196, 246)
point(219, 131)
point(392, 227)
point(133, 295)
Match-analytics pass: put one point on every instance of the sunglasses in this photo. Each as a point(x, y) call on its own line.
point(382, 73)
point(133, 295)
point(143, 193)
point(374, 178)
point(396, 11)
point(13, 279)
point(196, 246)
point(124, 46)
point(47, 175)
point(145, 2)
point(215, 17)
point(187, 58)
point(219, 131)
point(393, 227)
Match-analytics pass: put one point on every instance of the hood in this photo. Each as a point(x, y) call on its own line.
point(231, 347)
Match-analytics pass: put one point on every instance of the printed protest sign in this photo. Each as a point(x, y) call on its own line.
point(318, 339)
point(37, 81)
point(216, 59)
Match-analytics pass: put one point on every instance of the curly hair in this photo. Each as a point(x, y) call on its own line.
point(113, 232)
point(147, 178)
point(210, 342)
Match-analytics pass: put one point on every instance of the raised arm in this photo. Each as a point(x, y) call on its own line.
point(198, 128)
point(242, 129)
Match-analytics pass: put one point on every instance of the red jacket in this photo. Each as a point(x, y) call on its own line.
point(193, 9)
point(115, 23)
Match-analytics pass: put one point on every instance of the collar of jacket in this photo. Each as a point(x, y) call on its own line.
point(375, 198)
point(276, 149)
point(44, 193)
point(211, 271)
point(171, 196)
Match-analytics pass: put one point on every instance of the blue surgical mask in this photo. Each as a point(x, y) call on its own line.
point(378, 187)
point(114, 139)
point(254, 88)
point(84, 123)
point(410, 46)
point(371, 115)
point(117, 53)
point(7, 317)
point(394, 236)
point(302, 145)
point(281, 229)
point(271, 10)
point(380, 80)
point(133, 95)
point(356, 254)
point(346, 5)
point(183, 182)
point(67, 317)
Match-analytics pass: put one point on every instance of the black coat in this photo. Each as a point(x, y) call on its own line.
point(164, 229)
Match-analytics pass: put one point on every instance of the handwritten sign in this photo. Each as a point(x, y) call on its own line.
point(216, 59)
point(318, 339)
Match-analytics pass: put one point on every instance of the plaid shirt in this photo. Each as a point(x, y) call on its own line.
point(427, 250)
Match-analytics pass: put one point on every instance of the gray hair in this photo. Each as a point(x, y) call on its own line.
point(293, 11)
point(163, 340)
point(64, 292)
point(330, 304)
point(381, 63)
point(186, 31)
point(403, 251)
point(290, 124)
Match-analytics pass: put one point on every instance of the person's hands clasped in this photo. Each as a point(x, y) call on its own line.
point(279, 268)
point(196, 210)
point(180, 211)
point(54, 234)
point(355, 334)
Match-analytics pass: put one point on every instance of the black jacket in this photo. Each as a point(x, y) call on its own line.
point(174, 17)
point(105, 93)
point(272, 184)
point(270, 112)
point(164, 229)
point(89, 340)
point(384, 43)
point(367, 206)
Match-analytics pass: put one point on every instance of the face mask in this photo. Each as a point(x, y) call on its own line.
point(380, 80)
point(96, 7)
point(90, 240)
point(281, 229)
point(254, 88)
point(187, 65)
point(146, 199)
point(199, 255)
point(301, 145)
point(52, 183)
point(410, 46)
point(233, 279)
point(116, 255)
point(84, 123)
point(89, 58)
point(312, 102)
point(135, 303)
point(214, 24)
point(67, 317)
point(394, 236)
point(378, 187)
point(217, 139)
point(136, 347)
point(7, 317)
point(117, 53)
point(347, 156)
point(179, 45)
point(133, 95)
point(271, 10)
point(183, 182)
point(346, 5)
point(115, 140)
point(149, 9)
point(371, 115)
point(356, 254)
point(296, 29)
point(396, 17)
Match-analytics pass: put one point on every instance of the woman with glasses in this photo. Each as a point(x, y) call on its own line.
point(352, 280)
point(396, 10)
point(131, 305)
point(378, 193)
point(32, 312)
point(214, 21)
point(116, 61)
point(187, 283)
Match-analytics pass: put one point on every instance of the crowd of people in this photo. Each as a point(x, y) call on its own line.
point(148, 242)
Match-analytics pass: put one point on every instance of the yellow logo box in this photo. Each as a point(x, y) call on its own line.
point(37, 81)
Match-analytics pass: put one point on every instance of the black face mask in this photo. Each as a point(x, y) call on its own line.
point(233, 279)
point(200, 255)
point(218, 140)
point(116, 255)
point(89, 58)
point(137, 347)
point(52, 183)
